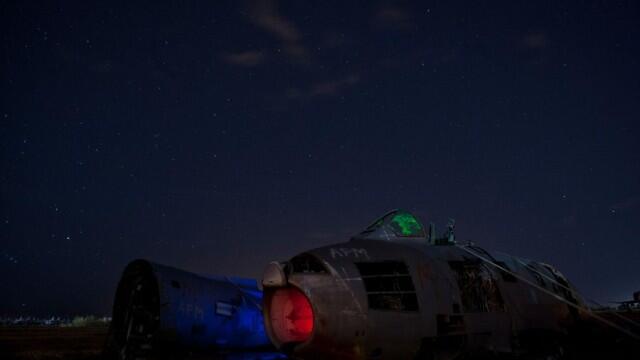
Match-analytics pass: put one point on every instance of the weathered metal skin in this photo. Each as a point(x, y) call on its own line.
point(514, 318)
point(158, 308)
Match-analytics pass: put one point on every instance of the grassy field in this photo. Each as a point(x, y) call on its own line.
point(49, 343)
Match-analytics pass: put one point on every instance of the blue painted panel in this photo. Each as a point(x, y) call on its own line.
point(205, 312)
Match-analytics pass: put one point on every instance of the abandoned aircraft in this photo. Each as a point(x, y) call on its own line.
point(394, 291)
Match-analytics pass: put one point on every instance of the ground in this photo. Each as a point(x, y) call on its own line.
point(48, 343)
point(79, 343)
point(86, 343)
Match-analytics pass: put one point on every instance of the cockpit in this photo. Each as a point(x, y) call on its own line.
point(394, 224)
point(402, 225)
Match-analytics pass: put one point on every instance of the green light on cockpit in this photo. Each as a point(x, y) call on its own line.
point(407, 224)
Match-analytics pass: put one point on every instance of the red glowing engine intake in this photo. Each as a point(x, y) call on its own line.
point(291, 315)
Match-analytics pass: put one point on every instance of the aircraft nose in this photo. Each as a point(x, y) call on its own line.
point(290, 315)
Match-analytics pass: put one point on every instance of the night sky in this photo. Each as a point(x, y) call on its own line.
point(219, 137)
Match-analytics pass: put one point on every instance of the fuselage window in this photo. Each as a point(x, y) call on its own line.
point(389, 285)
point(478, 288)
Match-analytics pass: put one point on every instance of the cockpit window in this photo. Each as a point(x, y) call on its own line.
point(307, 264)
point(395, 224)
point(375, 225)
point(405, 224)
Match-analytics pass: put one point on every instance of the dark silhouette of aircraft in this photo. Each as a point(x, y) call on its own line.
point(394, 291)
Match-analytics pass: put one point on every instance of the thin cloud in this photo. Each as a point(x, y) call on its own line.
point(333, 87)
point(534, 46)
point(245, 58)
point(266, 15)
point(535, 41)
point(392, 16)
point(628, 204)
point(324, 88)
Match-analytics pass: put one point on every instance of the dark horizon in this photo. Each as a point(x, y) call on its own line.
point(218, 137)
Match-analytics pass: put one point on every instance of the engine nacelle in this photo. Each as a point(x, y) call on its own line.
point(159, 310)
